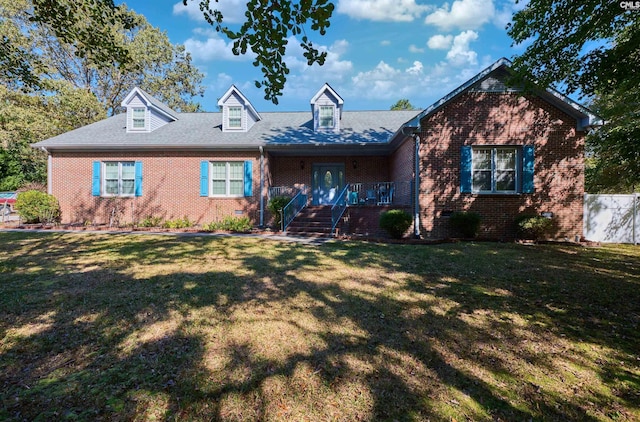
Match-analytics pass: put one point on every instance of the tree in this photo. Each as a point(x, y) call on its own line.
point(26, 118)
point(155, 64)
point(402, 104)
point(589, 47)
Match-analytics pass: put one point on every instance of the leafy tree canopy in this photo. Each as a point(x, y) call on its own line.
point(591, 48)
point(402, 104)
point(265, 31)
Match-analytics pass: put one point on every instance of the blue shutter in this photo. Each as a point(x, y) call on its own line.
point(138, 182)
point(248, 178)
point(465, 169)
point(204, 178)
point(95, 179)
point(527, 169)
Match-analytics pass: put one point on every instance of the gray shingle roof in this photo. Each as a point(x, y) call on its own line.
point(284, 130)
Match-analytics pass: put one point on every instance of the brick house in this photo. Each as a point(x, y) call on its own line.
point(485, 147)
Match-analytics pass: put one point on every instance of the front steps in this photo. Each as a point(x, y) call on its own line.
point(314, 221)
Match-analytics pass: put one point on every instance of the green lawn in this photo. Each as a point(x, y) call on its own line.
point(142, 327)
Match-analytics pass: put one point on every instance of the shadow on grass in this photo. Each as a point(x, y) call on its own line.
point(142, 327)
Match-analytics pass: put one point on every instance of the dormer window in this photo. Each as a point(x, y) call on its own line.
point(326, 107)
point(235, 117)
point(238, 115)
point(326, 117)
point(139, 118)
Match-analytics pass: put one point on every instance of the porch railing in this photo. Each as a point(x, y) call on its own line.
point(275, 191)
point(293, 208)
point(338, 208)
point(380, 193)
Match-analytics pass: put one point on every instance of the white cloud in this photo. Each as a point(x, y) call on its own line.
point(415, 49)
point(464, 14)
point(382, 10)
point(385, 42)
point(460, 53)
point(212, 49)
point(416, 69)
point(440, 42)
point(232, 10)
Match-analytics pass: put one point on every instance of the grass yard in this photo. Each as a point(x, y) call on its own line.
point(142, 327)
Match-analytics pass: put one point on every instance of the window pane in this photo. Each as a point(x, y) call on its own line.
point(218, 187)
point(482, 180)
point(218, 171)
point(482, 159)
point(127, 187)
point(128, 170)
point(111, 186)
point(505, 180)
point(326, 116)
point(111, 170)
point(138, 115)
point(235, 117)
point(236, 170)
point(236, 187)
point(505, 159)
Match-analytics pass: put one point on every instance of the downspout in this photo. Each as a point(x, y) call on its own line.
point(416, 184)
point(261, 186)
point(49, 167)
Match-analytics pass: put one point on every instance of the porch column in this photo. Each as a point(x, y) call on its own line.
point(261, 187)
point(416, 187)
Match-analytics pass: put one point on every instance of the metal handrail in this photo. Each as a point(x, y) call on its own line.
point(339, 207)
point(292, 209)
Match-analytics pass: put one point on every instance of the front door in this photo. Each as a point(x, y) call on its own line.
point(327, 183)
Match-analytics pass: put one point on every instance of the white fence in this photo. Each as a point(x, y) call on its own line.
point(612, 218)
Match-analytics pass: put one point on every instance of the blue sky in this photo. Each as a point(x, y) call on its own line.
point(379, 51)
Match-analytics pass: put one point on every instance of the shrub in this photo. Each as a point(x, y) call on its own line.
point(275, 205)
point(37, 207)
point(178, 223)
point(150, 221)
point(229, 223)
point(466, 223)
point(395, 222)
point(534, 227)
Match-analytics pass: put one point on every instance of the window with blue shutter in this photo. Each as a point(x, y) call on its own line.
point(496, 169)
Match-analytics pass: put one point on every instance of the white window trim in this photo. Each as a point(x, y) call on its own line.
point(333, 116)
point(104, 180)
point(229, 126)
point(145, 128)
point(227, 180)
point(517, 170)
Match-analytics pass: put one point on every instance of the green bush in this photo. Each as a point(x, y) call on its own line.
point(466, 223)
point(178, 223)
point(275, 205)
point(150, 221)
point(229, 223)
point(534, 227)
point(37, 207)
point(395, 222)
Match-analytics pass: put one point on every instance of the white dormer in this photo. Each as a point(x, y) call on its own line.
point(238, 115)
point(145, 113)
point(326, 107)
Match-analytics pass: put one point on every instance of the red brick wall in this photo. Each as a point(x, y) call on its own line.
point(171, 188)
point(477, 118)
